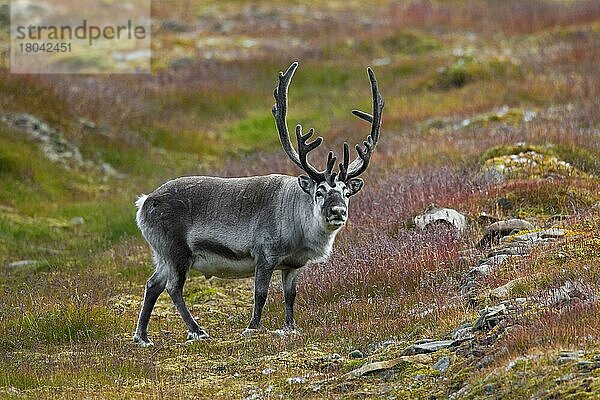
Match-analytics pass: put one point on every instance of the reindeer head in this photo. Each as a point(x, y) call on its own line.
point(329, 190)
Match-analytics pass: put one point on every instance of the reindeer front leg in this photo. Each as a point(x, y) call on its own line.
point(262, 280)
point(289, 280)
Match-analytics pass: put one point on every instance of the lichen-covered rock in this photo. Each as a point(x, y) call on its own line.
point(528, 164)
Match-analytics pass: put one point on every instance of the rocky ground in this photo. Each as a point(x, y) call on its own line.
point(469, 268)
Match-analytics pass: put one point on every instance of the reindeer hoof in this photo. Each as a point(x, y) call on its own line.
point(142, 340)
point(200, 335)
point(248, 332)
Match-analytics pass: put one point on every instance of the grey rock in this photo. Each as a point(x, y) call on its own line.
point(442, 364)
point(463, 332)
point(296, 380)
point(355, 354)
point(490, 316)
point(437, 215)
point(428, 347)
point(540, 236)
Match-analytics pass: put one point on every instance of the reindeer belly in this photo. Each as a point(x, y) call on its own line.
point(211, 264)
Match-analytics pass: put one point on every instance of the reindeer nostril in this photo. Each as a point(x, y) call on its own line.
point(339, 211)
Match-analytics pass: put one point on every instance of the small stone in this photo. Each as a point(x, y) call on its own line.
point(489, 389)
point(296, 380)
point(355, 354)
point(442, 364)
point(419, 377)
point(267, 371)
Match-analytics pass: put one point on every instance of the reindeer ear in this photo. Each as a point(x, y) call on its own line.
point(354, 185)
point(306, 183)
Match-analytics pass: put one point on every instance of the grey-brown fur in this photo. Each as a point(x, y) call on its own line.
point(242, 227)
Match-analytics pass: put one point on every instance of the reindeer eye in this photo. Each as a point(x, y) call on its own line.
point(347, 194)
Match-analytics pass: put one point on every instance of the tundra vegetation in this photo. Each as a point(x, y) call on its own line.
point(491, 109)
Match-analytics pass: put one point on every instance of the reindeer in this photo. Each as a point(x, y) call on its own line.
point(251, 226)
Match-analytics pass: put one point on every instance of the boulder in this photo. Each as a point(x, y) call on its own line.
point(499, 229)
point(439, 215)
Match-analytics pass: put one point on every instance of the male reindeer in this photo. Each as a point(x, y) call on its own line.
point(239, 227)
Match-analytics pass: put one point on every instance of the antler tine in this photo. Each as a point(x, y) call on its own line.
point(280, 113)
point(360, 164)
point(304, 148)
point(344, 165)
point(329, 174)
